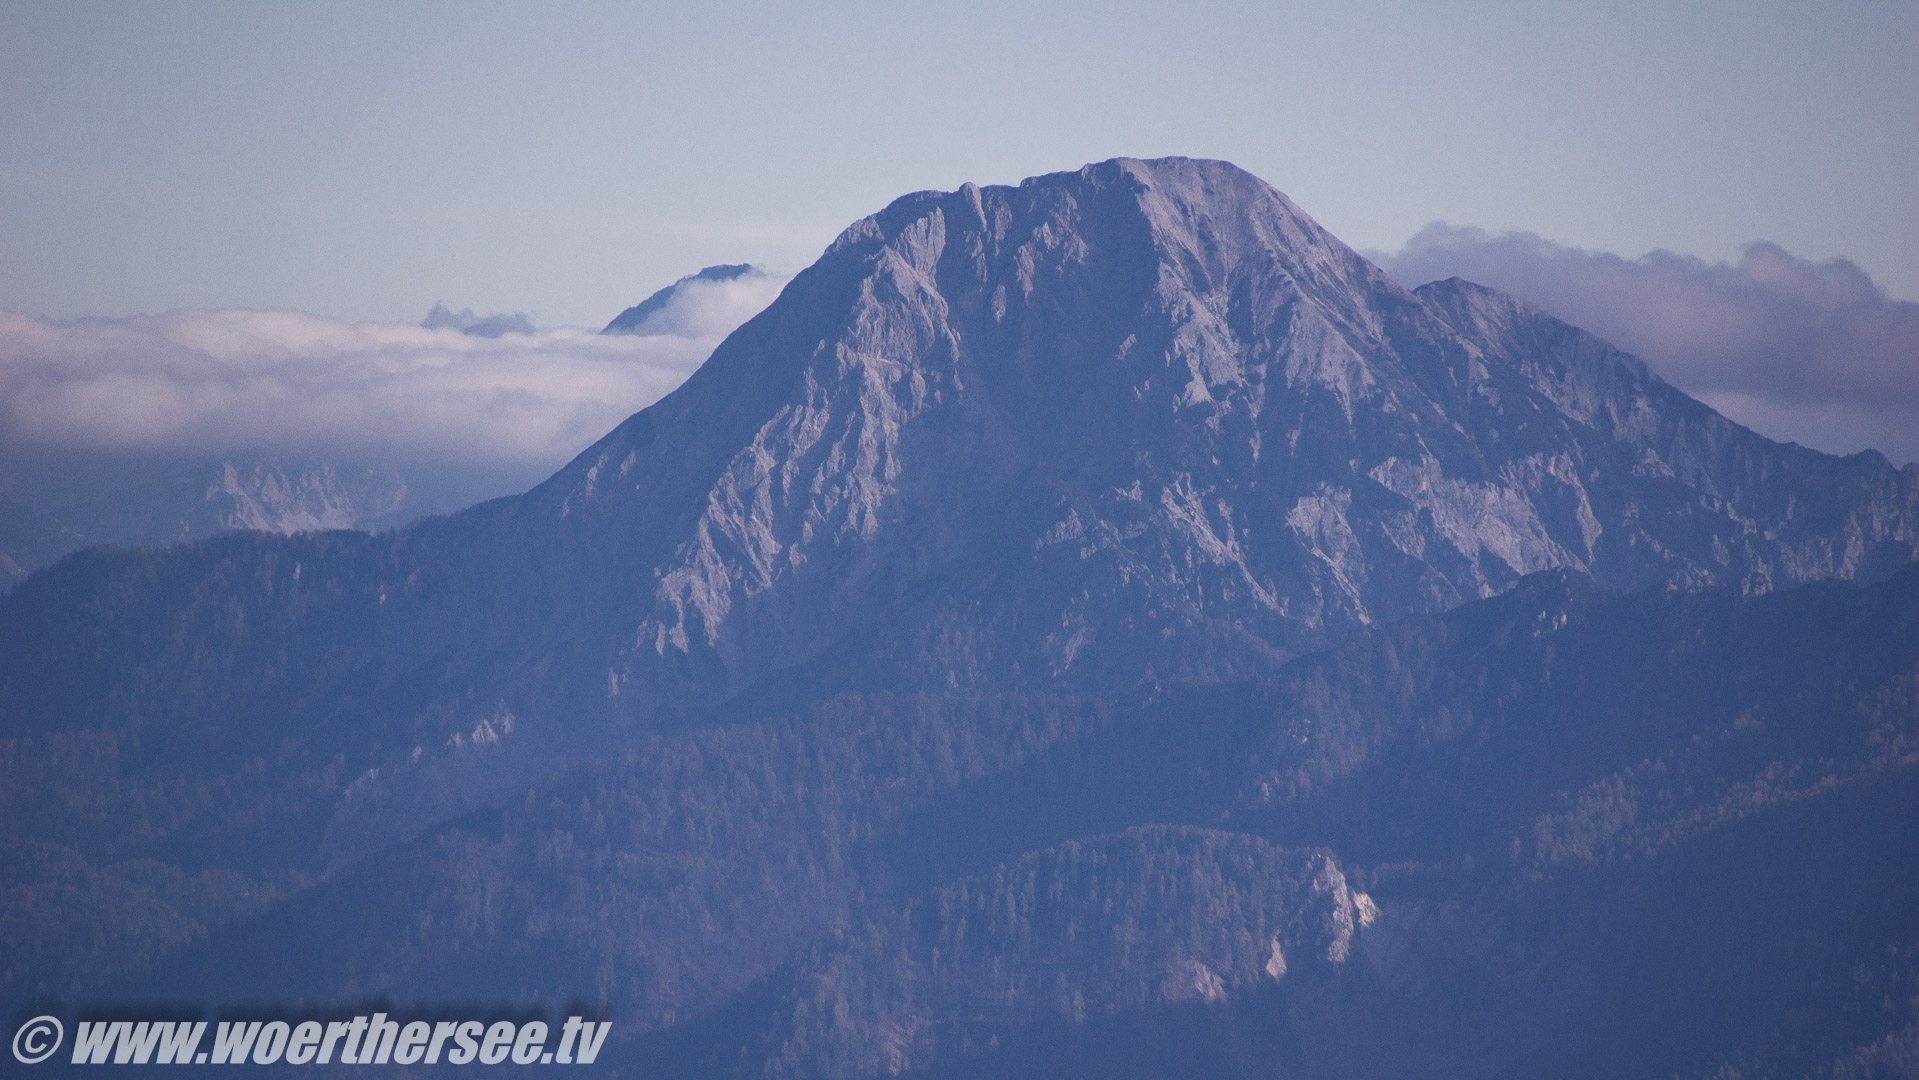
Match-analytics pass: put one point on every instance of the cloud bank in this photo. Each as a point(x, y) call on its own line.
point(280, 382)
point(712, 301)
point(1814, 353)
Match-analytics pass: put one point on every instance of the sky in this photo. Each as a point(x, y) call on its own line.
point(364, 160)
point(360, 162)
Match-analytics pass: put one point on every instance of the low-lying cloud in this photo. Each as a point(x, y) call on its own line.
point(1812, 352)
point(280, 382)
point(713, 301)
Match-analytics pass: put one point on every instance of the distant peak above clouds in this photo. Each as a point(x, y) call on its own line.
point(727, 294)
point(160, 428)
point(223, 382)
point(486, 326)
point(1813, 352)
point(218, 382)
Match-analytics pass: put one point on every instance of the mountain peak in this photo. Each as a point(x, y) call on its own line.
point(1460, 297)
point(1149, 416)
point(634, 319)
point(441, 317)
point(1207, 216)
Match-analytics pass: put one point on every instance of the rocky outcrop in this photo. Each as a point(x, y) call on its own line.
point(1097, 928)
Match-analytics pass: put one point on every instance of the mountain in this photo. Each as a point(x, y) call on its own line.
point(1040, 550)
point(1478, 849)
point(52, 504)
point(487, 326)
point(639, 318)
point(28, 541)
point(1149, 417)
point(1142, 422)
point(1544, 868)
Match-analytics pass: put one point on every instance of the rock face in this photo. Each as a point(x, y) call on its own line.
point(1149, 418)
point(264, 496)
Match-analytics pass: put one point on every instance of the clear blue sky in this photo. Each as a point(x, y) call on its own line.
point(362, 160)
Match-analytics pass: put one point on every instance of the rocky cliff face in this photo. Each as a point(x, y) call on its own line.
point(1149, 418)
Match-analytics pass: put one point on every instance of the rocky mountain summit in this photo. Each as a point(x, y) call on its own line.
point(1150, 418)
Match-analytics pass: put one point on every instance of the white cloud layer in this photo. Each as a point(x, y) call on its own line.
point(268, 381)
point(702, 309)
point(1816, 353)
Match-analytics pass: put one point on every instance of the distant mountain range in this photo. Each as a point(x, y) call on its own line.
point(55, 503)
point(1102, 626)
point(466, 322)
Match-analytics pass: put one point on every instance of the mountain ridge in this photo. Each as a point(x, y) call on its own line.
point(1141, 422)
point(918, 342)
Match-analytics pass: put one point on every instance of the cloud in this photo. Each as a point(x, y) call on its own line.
point(218, 382)
point(701, 304)
point(1815, 353)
